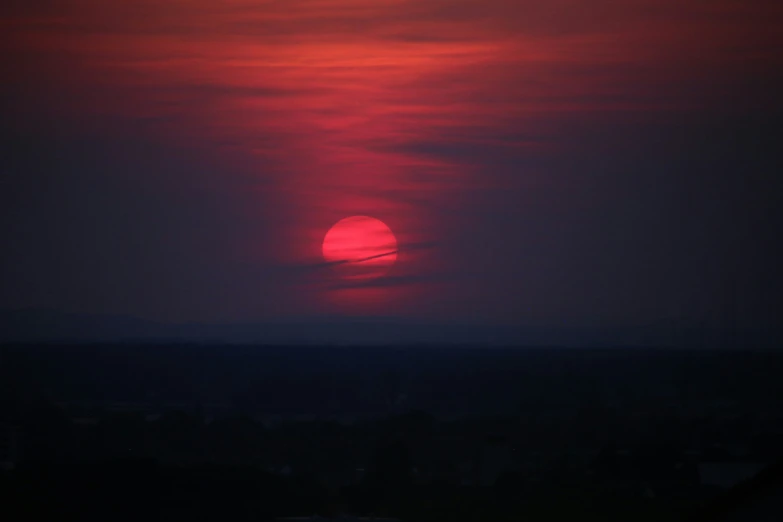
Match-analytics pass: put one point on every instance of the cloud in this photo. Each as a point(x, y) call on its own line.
point(390, 281)
point(316, 266)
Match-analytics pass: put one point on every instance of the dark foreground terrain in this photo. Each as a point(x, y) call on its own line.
point(178, 432)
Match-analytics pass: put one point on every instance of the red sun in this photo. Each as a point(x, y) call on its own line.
point(360, 247)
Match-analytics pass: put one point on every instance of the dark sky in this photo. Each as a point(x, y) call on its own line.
point(541, 163)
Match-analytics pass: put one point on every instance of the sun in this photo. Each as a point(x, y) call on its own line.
point(360, 248)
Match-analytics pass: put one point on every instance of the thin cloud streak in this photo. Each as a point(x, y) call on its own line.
point(408, 248)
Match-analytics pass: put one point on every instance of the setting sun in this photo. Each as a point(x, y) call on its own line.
point(360, 247)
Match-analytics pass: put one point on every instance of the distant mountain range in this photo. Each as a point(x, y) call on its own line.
point(46, 325)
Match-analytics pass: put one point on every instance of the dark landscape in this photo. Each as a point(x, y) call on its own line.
point(189, 431)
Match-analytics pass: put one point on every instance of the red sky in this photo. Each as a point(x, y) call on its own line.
point(428, 114)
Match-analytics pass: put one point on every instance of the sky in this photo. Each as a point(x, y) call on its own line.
point(559, 163)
